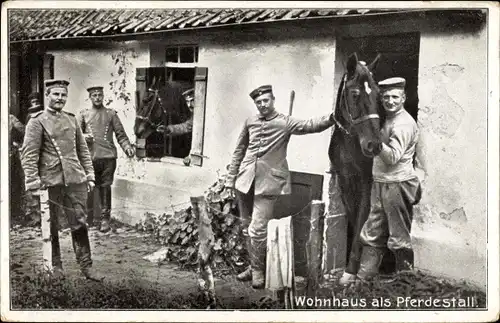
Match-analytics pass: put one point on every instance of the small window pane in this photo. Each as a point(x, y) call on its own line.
point(171, 55)
point(187, 55)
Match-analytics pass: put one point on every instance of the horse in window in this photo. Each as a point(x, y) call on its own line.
point(359, 116)
point(162, 105)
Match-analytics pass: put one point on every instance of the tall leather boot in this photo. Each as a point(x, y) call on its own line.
point(247, 274)
point(105, 195)
point(81, 246)
point(90, 208)
point(56, 250)
point(404, 259)
point(371, 258)
point(258, 263)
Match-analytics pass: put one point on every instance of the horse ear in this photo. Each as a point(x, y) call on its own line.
point(352, 62)
point(373, 65)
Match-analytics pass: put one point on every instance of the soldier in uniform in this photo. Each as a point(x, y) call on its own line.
point(55, 157)
point(185, 127)
point(34, 105)
point(16, 134)
point(98, 124)
point(396, 186)
point(259, 171)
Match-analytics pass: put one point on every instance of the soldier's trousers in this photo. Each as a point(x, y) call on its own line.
point(70, 201)
point(256, 211)
point(391, 214)
point(104, 175)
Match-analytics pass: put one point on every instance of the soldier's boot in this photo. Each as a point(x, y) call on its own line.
point(247, 274)
point(349, 275)
point(90, 209)
point(404, 259)
point(105, 195)
point(57, 268)
point(371, 258)
point(81, 245)
point(258, 263)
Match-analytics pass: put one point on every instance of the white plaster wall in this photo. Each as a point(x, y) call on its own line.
point(453, 118)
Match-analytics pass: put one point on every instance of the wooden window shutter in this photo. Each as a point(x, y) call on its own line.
point(200, 94)
point(140, 91)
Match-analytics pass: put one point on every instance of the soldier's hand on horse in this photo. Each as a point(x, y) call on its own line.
point(377, 148)
point(90, 186)
point(130, 152)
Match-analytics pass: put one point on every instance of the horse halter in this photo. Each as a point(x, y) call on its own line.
point(147, 118)
point(352, 122)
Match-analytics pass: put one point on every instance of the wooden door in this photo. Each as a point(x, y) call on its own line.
point(305, 188)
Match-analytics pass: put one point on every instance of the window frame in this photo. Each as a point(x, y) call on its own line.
point(197, 136)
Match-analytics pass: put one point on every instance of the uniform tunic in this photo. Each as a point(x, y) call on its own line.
point(54, 151)
point(55, 155)
point(101, 123)
point(261, 149)
point(396, 187)
point(259, 169)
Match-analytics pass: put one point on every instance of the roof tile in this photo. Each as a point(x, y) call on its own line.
point(32, 24)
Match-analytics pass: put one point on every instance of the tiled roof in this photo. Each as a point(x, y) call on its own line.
point(47, 24)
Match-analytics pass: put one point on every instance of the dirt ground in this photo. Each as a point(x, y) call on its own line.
point(119, 255)
point(132, 282)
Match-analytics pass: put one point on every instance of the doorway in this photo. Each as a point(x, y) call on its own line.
point(399, 58)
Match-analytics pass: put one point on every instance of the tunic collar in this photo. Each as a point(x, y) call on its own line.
point(273, 115)
point(53, 111)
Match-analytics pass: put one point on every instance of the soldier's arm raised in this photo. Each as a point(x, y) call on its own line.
point(30, 154)
point(304, 126)
point(83, 153)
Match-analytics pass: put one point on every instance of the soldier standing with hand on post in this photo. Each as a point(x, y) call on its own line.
point(259, 172)
point(98, 125)
point(55, 157)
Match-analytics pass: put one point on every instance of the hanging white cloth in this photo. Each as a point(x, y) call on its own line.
point(280, 261)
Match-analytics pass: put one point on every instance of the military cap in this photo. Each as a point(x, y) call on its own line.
point(188, 93)
point(95, 88)
point(33, 96)
point(392, 83)
point(49, 84)
point(34, 107)
point(261, 90)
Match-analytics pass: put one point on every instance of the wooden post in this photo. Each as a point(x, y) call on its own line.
point(335, 249)
point(315, 247)
point(205, 251)
point(45, 226)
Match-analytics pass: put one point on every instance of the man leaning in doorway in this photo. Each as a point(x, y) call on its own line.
point(55, 157)
point(259, 173)
point(98, 124)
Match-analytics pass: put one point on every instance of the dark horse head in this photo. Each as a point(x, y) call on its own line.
point(160, 105)
point(358, 116)
point(150, 113)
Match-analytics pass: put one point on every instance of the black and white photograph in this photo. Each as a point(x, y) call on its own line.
point(199, 161)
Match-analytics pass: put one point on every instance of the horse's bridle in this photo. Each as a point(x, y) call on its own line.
point(147, 118)
point(352, 122)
